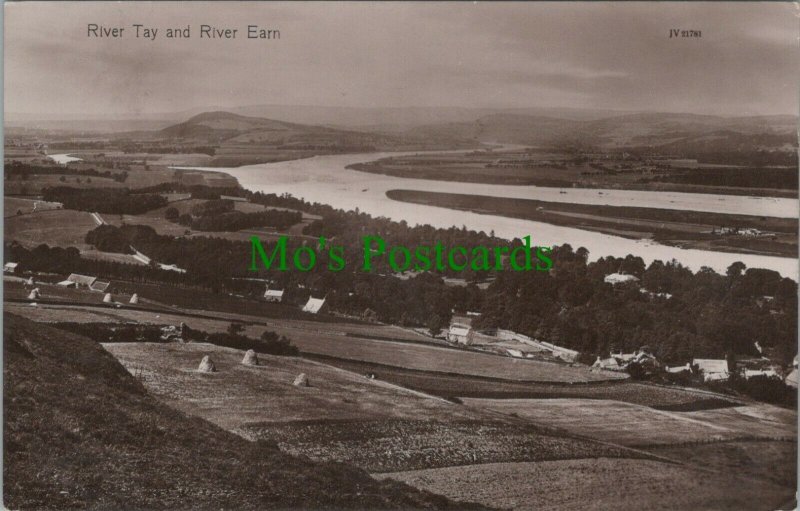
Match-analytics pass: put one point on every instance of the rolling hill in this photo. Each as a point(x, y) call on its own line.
point(682, 134)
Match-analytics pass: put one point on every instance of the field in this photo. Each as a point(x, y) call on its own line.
point(81, 433)
point(329, 339)
point(640, 426)
point(15, 205)
point(599, 484)
point(341, 416)
point(562, 170)
point(63, 228)
point(464, 386)
point(671, 227)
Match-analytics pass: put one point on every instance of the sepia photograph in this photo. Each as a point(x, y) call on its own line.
point(400, 255)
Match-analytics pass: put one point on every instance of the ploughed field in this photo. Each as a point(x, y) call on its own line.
point(465, 386)
point(641, 426)
point(599, 484)
point(557, 453)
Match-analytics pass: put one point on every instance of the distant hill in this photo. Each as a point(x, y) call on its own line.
point(81, 432)
point(678, 133)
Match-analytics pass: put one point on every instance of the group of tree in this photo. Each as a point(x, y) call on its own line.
point(119, 201)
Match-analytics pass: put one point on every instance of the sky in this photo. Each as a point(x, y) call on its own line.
point(499, 55)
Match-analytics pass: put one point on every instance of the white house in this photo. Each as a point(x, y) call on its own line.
point(713, 369)
point(273, 295)
point(610, 364)
point(460, 333)
point(619, 278)
point(791, 379)
point(10, 267)
point(313, 305)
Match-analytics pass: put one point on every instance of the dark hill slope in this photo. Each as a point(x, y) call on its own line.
point(81, 432)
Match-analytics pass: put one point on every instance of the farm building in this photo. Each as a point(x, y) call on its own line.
point(712, 369)
point(273, 295)
point(679, 369)
point(314, 305)
point(460, 333)
point(10, 267)
point(610, 364)
point(619, 278)
point(769, 373)
point(564, 354)
point(791, 379)
point(84, 281)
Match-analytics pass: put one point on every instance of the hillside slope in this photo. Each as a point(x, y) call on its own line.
point(81, 432)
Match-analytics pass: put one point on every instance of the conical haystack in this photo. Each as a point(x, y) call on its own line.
point(250, 358)
point(134, 299)
point(34, 294)
point(107, 298)
point(207, 365)
point(301, 380)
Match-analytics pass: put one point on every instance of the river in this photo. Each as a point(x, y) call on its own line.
point(63, 159)
point(325, 179)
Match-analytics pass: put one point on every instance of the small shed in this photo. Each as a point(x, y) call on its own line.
point(314, 305)
point(273, 295)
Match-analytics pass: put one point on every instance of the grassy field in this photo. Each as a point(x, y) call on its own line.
point(548, 169)
point(598, 485)
point(489, 388)
point(64, 228)
point(81, 432)
point(13, 205)
point(332, 340)
point(640, 426)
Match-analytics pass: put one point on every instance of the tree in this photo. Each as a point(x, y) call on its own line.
point(735, 269)
point(171, 214)
point(435, 324)
point(235, 328)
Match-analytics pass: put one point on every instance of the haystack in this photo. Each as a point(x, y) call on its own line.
point(250, 358)
point(134, 299)
point(34, 294)
point(207, 365)
point(107, 298)
point(301, 380)
point(30, 282)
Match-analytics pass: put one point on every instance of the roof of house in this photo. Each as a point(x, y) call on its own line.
point(313, 305)
point(791, 378)
point(277, 293)
point(712, 365)
point(100, 285)
point(10, 265)
point(83, 280)
point(459, 329)
point(608, 362)
point(619, 278)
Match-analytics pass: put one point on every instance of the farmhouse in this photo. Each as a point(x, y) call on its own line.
point(273, 295)
point(460, 333)
point(84, 281)
point(791, 379)
point(610, 364)
point(10, 267)
point(769, 373)
point(619, 278)
point(712, 369)
point(314, 305)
